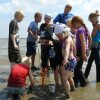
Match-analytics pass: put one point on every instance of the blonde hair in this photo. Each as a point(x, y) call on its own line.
point(65, 34)
point(94, 14)
point(69, 23)
point(19, 12)
point(26, 61)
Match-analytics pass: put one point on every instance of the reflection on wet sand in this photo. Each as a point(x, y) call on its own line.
point(90, 92)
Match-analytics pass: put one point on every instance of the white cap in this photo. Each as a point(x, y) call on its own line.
point(47, 16)
point(59, 28)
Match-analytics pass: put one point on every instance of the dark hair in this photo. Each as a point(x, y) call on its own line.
point(37, 14)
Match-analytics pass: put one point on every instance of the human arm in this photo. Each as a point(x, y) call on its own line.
point(74, 48)
point(13, 37)
point(83, 46)
point(33, 34)
point(13, 32)
point(89, 40)
point(66, 51)
point(56, 19)
point(31, 78)
point(33, 29)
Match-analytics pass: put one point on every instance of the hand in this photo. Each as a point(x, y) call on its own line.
point(77, 58)
point(30, 88)
point(35, 37)
point(16, 47)
point(84, 58)
point(65, 62)
point(17, 35)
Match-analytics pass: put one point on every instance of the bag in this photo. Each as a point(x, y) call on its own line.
point(52, 53)
point(94, 44)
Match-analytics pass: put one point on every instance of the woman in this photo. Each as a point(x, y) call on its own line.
point(83, 41)
point(95, 48)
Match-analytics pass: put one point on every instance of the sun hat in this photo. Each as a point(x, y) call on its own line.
point(59, 28)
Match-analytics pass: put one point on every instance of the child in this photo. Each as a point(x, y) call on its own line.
point(69, 60)
point(13, 43)
point(83, 42)
point(32, 37)
point(17, 78)
point(47, 47)
point(46, 35)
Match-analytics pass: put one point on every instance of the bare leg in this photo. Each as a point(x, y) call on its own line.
point(65, 76)
point(61, 72)
point(71, 81)
point(70, 78)
point(33, 59)
point(56, 76)
point(66, 82)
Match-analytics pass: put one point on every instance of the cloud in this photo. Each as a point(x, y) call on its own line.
point(91, 6)
point(41, 5)
point(75, 2)
point(80, 7)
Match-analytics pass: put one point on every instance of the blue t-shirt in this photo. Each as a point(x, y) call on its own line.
point(63, 18)
point(33, 27)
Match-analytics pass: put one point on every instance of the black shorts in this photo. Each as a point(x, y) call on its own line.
point(44, 55)
point(14, 55)
point(58, 49)
point(56, 60)
point(31, 48)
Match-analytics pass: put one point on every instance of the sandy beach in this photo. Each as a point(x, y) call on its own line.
point(90, 92)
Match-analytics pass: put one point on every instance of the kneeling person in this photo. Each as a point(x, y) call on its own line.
point(17, 78)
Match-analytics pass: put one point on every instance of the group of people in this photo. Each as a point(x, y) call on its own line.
point(65, 54)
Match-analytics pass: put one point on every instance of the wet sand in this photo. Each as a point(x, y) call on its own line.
point(90, 92)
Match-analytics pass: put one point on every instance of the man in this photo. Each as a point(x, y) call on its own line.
point(64, 17)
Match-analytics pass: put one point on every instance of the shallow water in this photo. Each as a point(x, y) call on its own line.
point(91, 92)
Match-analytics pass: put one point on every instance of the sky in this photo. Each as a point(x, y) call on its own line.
point(8, 7)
